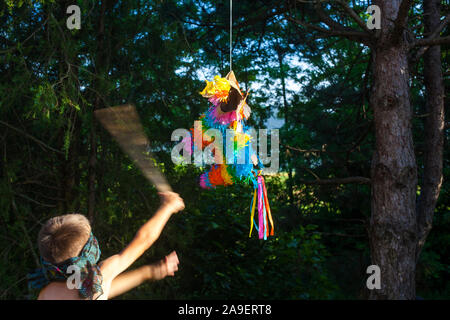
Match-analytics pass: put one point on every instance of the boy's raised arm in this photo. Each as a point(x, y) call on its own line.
point(145, 237)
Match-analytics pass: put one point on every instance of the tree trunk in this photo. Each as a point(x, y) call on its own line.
point(434, 128)
point(100, 73)
point(69, 86)
point(91, 172)
point(286, 120)
point(394, 171)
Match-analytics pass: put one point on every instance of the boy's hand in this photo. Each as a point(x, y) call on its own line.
point(166, 267)
point(171, 201)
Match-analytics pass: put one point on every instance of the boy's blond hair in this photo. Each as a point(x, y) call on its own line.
point(63, 237)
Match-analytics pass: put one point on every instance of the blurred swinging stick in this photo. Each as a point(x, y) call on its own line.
point(124, 125)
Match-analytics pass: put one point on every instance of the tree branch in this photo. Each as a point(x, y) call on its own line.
point(432, 39)
point(432, 42)
point(304, 150)
point(402, 19)
point(441, 26)
point(353, 35)
point(354, 15)
point(27, 236)
point(433, 35)
point(343, 235)
point(34, 201)
point(31, 137)
point(333, 25)
point(260, 15)
point(349, 180)
point(27, 38)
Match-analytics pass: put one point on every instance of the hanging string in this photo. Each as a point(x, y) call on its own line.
point(231, 34)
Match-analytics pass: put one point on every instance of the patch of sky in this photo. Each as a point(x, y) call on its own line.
point(140, 36)
point(261, 86)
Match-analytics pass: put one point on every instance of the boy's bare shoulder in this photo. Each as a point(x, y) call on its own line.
point(58, 291)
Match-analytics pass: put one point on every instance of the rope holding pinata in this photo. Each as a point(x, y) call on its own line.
point(229, 110)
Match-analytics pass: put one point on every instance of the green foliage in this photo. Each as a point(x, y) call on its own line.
point(220, 261)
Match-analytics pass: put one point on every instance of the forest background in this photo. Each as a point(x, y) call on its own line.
point(312, 81)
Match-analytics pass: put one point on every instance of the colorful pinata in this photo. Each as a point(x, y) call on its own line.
point(229, 110)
